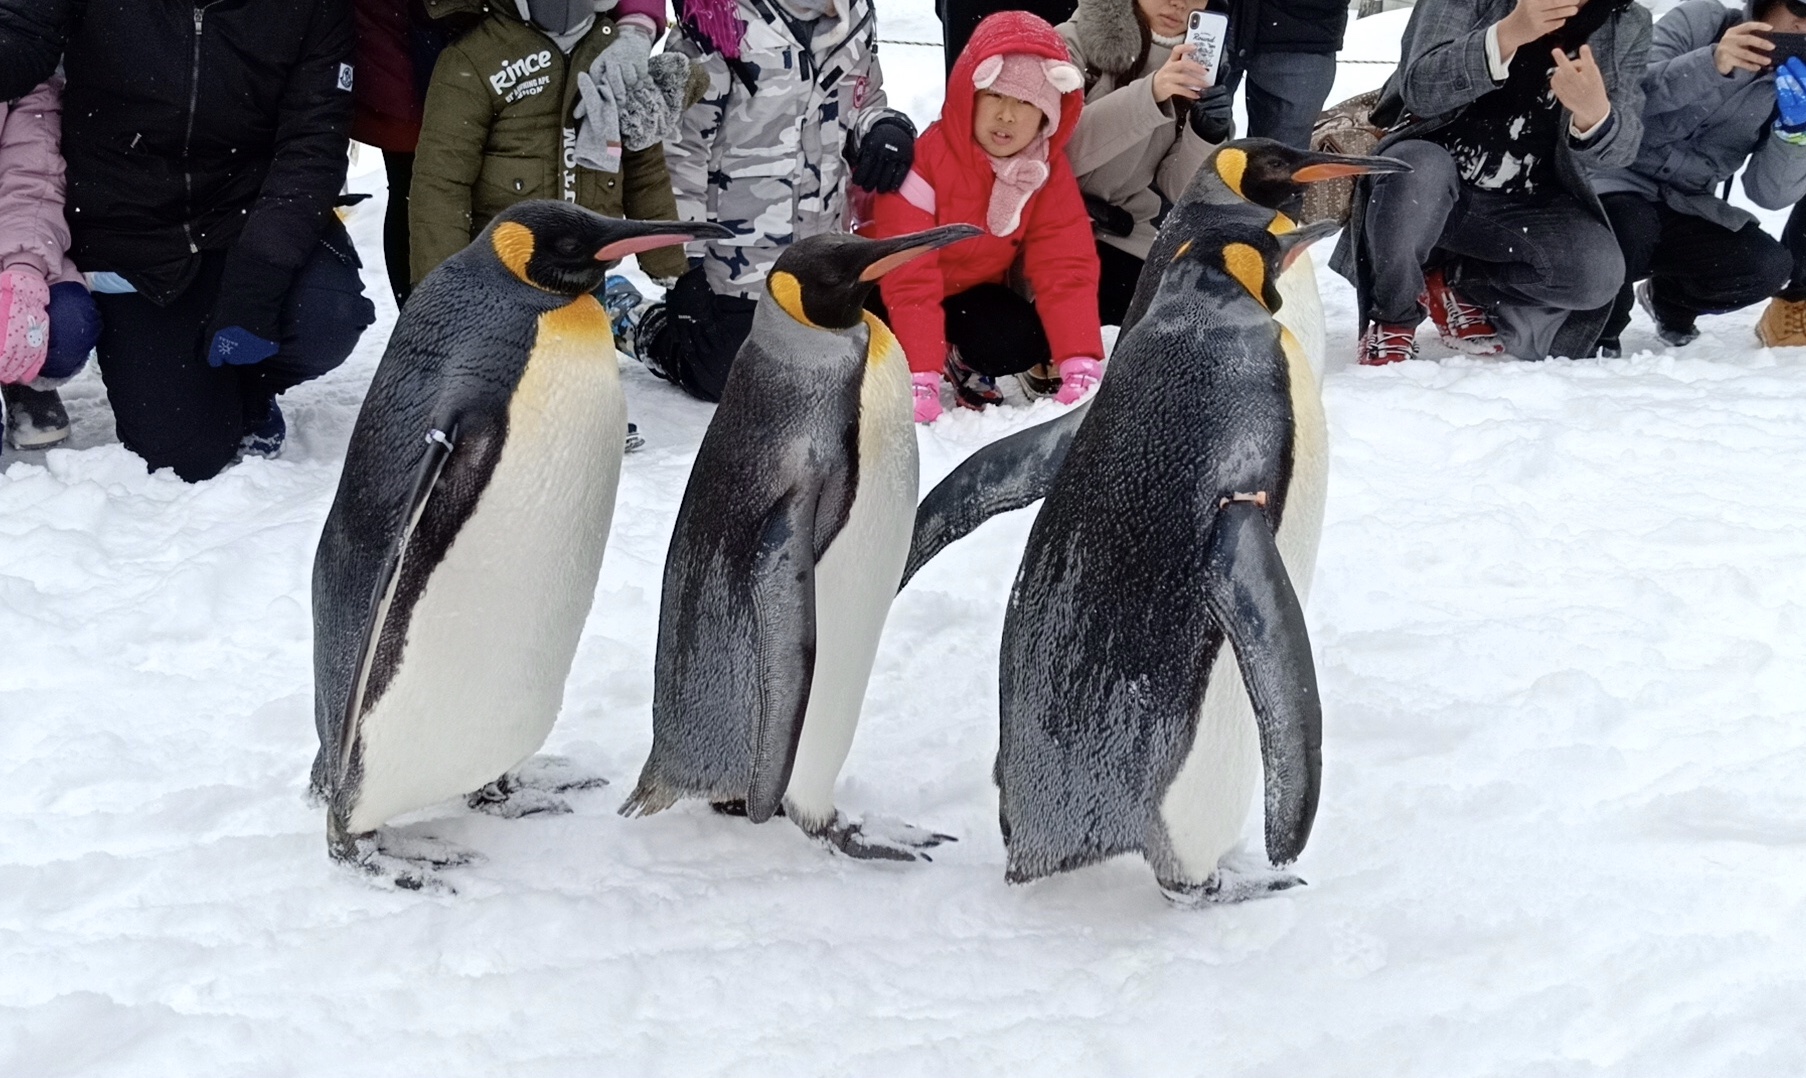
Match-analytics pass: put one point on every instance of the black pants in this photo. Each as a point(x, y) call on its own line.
point(1118, 270)
point(694, 339)
point(960, 17)
point(1694, 266)
point(174, 410)
point(995, 330)
point(400, 170)
point(1793, 237)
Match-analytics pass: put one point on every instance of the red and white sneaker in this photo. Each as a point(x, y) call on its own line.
point(1462, 326)
point(1383, 344)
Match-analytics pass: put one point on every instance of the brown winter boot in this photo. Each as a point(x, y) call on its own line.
point(1783, 325)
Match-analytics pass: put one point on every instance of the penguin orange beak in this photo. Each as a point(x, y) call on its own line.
point(651, 235)
point(895, 252)
point(1330, 166)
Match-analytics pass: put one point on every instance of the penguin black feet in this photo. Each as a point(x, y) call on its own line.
point(878, 839)
point(410, 862)
point(1225, 887)
point(532, 789)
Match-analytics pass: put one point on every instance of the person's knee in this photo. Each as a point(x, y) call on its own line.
point(74, 329)
point(1591, 273)
point(1431, 165)
point(1771, 268)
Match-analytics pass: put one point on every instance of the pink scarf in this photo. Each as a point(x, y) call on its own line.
point(1019, 176)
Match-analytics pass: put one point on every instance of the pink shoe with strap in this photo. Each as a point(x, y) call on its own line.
point(1078, 375)
point(927, 387)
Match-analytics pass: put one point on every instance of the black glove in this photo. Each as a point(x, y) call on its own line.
point(1108, 218)
point(885, 155)
point(1212, 115)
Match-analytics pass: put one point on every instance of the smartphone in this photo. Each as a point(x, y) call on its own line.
point(1208, 30)
point(1786, 45)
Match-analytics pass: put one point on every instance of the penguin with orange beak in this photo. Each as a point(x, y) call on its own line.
point(788, 548)
point(459, 559)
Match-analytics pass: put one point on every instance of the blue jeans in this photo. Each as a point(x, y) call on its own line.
point(74, 329)
point(1286, 91)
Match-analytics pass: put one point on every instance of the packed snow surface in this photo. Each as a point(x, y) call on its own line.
point(1560, 615)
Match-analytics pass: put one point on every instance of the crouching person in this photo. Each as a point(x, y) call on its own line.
point(1496, 233)
point(1022, 298)
point(201, 186)
point(793, 127)
point(1711, 106)
point(48, 322)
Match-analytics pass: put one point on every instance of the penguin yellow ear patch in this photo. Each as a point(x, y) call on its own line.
point(788, 291)
point(1246, 265)
point(513, 243)
point(1281, 224)
point(1231, 165)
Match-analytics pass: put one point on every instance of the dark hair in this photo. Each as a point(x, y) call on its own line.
point(1796, 8)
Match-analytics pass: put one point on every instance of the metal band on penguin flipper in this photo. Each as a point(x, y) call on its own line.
point(1250, 595)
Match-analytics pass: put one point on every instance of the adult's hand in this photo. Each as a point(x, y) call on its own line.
point(1743, 46)
point(1180, 76)
point(1530, 20)
point(1212, 115)
point(1580, 88)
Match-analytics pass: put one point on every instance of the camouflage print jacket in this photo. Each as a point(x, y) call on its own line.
point(775, 165)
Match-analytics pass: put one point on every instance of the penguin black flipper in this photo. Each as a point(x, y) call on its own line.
point(782, 588)
point(1008, 474)
point(439, 448)
point(1249, 594)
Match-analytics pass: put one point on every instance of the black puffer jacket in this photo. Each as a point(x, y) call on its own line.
point(194, 125)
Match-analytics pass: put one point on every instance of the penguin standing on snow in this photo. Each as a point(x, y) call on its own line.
point(788, 548)
point(460, 557)
point(1252, 180)
point(1154, 654)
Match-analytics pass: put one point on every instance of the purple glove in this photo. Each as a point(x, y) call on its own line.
point(24, 324)
point(239, 347)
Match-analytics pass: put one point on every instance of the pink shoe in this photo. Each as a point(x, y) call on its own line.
point(24, 325)
point(927, 386)
point(1077, 376)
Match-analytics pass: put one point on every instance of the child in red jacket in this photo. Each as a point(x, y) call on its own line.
point(997, 159)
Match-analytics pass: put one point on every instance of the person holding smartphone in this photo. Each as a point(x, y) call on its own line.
point(1151, 116)
point(1501, 107)
point(1712, 106)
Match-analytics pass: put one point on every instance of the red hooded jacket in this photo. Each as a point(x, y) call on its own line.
point(1053, 240)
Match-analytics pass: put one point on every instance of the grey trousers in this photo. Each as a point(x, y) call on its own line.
point(1286, 91)
point(1531, 262)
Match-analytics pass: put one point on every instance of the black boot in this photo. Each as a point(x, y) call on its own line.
point(35, 418)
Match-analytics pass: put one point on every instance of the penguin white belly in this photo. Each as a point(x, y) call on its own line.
point(1301, 310)
point(1207, 805)
point(480, 679)
point(855, 581)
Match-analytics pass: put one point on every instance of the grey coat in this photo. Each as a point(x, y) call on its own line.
point(1443, 70)
point(1698, 126)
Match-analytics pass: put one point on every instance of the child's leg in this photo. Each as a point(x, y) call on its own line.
point(1118, 270)
point(693, 341)
point(74, 329)
point(996, 331)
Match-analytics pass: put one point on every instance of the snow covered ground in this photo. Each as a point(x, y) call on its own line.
point(1561, 621)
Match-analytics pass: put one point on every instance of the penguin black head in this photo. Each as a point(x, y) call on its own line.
point(824, 280)
point(562, 247)
point(1253, 257)
point(1274, 175)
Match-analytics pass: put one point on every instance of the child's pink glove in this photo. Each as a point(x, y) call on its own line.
point(1077, 376)
point(927, 386)
point(24, 324)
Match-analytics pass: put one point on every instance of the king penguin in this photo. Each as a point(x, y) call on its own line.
point(1154, 658)
point(1252, 180)
point(460, 556)
point(788, 548)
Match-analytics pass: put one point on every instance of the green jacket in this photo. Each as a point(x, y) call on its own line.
point(498, 130)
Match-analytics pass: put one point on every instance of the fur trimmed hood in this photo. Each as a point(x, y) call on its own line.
point(1110, 34)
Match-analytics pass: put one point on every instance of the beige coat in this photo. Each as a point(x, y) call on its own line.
point(1129, 150)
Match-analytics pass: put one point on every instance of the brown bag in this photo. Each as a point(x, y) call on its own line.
point(1345, 128)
